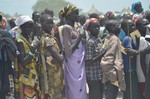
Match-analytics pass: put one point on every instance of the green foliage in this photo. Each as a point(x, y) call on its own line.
point(5, 15)
point(55, 5)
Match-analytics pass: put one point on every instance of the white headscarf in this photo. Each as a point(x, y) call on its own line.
point(22, 19)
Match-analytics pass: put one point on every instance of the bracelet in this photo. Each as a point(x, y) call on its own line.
point(31, 54)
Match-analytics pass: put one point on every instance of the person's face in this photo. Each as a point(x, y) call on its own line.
point(12, 23)
point(131, 26)
point(126, 16)
point(47, 25)
point(94, 28)
point(138, 7)
point(36, 17)
point(114, 27)
point(27, 28)
point(117, 28)
point(74, 16)
point(142, 28)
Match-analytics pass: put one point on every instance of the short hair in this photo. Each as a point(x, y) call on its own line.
point(93, 15)
point(49, 11)
point(109, 24)
point(44, 16)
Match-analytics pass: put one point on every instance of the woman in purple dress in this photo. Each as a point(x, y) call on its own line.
point(74, 63)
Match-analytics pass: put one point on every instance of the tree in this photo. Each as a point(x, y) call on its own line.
point(55, 5)
point(5, 15)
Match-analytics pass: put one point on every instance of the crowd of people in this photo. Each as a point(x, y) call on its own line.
point(42, 59)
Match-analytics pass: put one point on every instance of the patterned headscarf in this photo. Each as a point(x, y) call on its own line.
point(68, 10)
point(88, 21)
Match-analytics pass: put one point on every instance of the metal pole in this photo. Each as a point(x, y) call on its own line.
point(129, 60)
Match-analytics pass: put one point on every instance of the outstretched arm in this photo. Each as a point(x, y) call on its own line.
point(133, 52)
point(70, 47)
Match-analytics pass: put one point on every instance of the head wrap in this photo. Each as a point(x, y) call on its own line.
point(22, 20)
point(68, 10)
point(88, 21)
point(133, 5)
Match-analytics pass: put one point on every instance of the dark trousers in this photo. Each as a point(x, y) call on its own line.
point(147, 85)
point(111, 91)
point(2, 95)
point(95, 89)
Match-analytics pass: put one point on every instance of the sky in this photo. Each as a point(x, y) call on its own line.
point(25, 6)
point(108, 5)
point(19, 6)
